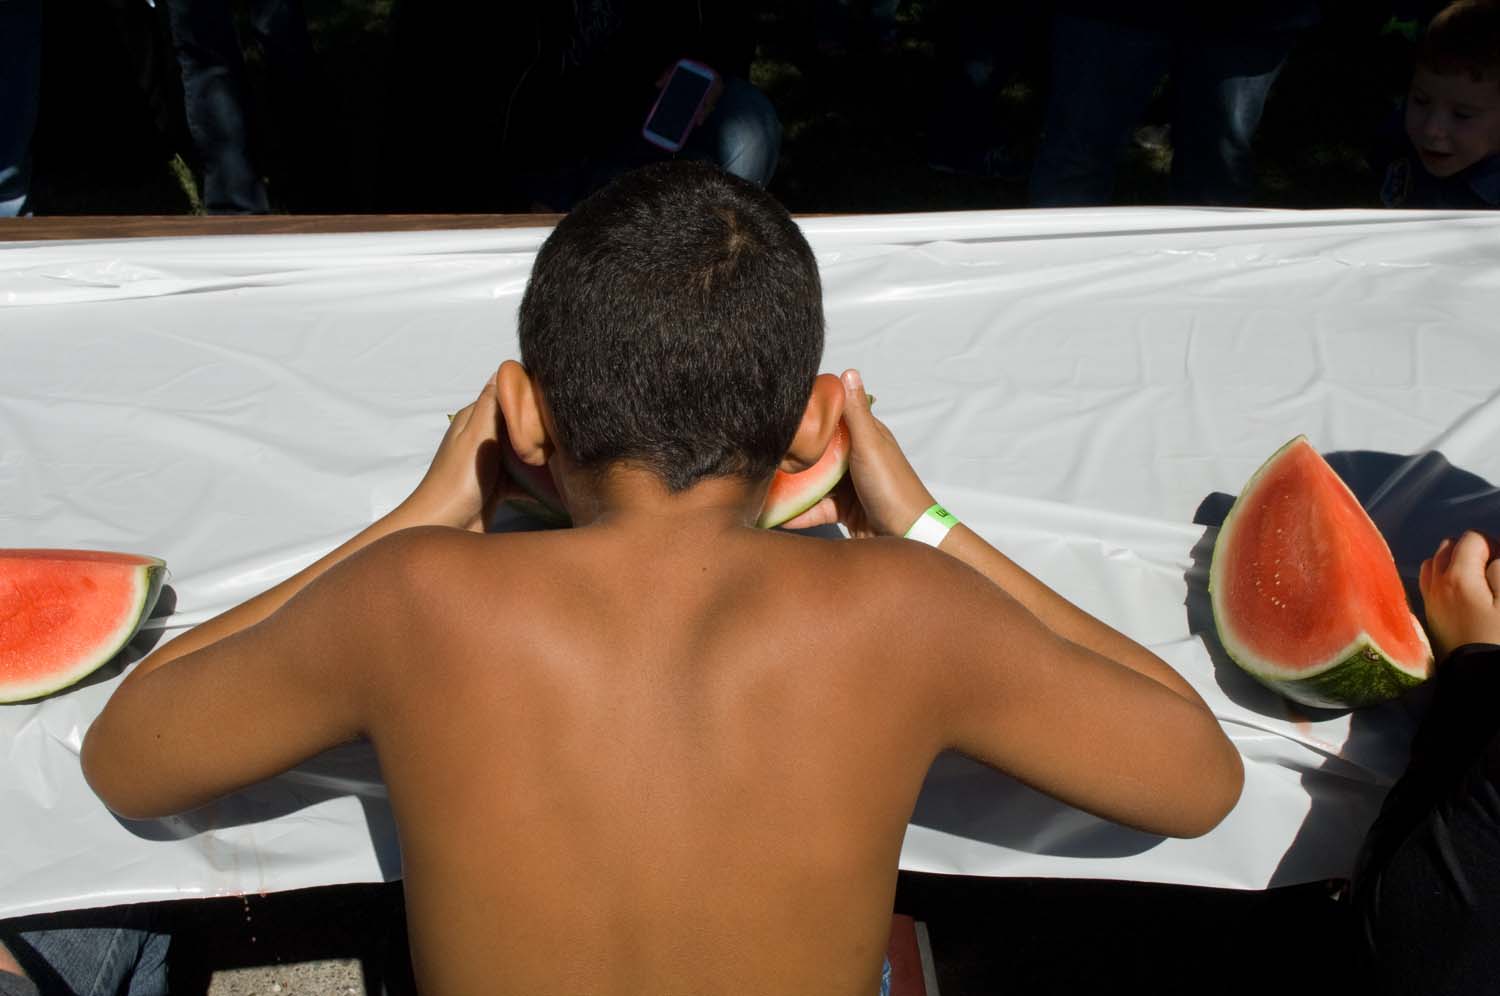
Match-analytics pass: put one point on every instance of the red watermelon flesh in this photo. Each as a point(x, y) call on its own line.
point(1305, 592)
point(65, 613)
point(792, 494)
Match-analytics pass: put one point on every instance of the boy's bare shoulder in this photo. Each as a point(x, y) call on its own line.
point(890, 567)
point(434, 564)
point(897, 594)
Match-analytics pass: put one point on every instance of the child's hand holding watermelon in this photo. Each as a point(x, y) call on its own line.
point(881, 495)
point(1461, 589)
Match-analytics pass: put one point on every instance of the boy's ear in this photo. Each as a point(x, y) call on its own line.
point(521, 406)
point(825, 406)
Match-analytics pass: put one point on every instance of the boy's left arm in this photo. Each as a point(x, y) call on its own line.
point(281, 677)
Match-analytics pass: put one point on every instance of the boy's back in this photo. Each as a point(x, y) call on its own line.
point(672, 753)
point(663, 751)
point(696, 765)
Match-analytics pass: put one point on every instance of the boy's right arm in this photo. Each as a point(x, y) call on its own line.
point(1042, 689)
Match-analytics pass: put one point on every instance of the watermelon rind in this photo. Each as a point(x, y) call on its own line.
point(775, 513)
point(807, 487)
point(1359, 674)
point(149, 577)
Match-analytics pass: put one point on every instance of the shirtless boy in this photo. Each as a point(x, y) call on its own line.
point(663, 751)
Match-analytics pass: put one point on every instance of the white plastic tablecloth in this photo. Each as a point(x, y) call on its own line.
point(1085, 388)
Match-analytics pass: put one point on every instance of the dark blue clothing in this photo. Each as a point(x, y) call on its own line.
point(20, 84)
point(1405, 182)
point(1104, 74)
point(214, 93)
point(1427, 889)
point(116, 951)
point(1195, 15)
point(15, 985)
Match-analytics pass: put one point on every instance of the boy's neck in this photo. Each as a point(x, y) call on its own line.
point(628, 498)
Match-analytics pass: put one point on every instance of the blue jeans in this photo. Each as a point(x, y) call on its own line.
point(1104, 75)
point(20, 83)
point(213, 89)
point(113, 952)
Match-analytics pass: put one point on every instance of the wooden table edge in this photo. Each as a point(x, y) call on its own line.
point(156, 226)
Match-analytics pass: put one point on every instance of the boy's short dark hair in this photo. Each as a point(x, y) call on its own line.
point(674, 320)
point(1464, 37)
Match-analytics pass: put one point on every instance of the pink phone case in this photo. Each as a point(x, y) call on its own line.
point(668, 142)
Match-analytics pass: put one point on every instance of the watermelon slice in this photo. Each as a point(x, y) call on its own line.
point(1305, 592)
point(792, 494)
point(65, 613)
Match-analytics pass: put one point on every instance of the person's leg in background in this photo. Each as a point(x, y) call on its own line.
point(109, 952)
point(213, 74)
point(315, 172)
point(20, 86)
point(978, 45)
point(742, 134)
point(1221, 87)
point(1103, 75)
point(13, 980)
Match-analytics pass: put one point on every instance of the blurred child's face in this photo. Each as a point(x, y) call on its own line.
point(1453, 119)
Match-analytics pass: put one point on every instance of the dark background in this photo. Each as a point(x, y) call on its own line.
point(111, 138)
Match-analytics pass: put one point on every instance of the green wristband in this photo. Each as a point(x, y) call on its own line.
point(932, 525)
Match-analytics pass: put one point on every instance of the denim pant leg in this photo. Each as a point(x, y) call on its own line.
point(15, 985)
point(213, 72)
point(1103, 75)
point(122, 958)
point(1221, 87)
point(742, 135)
point(20, 85)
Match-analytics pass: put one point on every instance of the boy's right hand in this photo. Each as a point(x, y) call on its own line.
point(881, 495)
point(1461, 591)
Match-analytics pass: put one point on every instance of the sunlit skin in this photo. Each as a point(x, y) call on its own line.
point(663, 751)
point(1453, 119)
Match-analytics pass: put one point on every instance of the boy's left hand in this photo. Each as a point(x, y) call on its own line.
point(462, 486)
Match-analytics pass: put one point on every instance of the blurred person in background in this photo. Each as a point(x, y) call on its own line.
point(218, 109)
point(112, 951)
point(20, 85)
point(980, 47)
point(1108, 59)
point(1442, 149)
point(535, 106)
